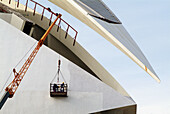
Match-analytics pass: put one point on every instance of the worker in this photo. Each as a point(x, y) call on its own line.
point(55, 87)
point(62, 87)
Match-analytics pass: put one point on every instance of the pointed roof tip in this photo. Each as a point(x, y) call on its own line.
point(154, 76)
point(158, 80)
point(117, 35)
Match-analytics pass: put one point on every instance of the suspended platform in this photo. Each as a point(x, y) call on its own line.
point(58, 90)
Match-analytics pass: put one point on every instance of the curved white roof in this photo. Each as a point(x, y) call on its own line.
point(97, 16)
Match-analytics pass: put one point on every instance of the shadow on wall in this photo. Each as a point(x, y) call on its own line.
point(60, 48)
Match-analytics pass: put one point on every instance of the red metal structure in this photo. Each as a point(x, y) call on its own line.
point(12, 87)
point(52, 13)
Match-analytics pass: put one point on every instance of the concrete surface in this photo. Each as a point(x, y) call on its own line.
point(13, 20)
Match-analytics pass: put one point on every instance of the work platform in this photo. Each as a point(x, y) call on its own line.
point(56, 90)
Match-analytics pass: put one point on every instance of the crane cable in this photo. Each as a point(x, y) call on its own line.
point(58, 76)
point(59, 63)
point(58, 72)
point(25, 54)
point(63, 77)
point(16, 66)
point(5, 83)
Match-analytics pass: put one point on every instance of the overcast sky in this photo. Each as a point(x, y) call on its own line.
point(148, 22)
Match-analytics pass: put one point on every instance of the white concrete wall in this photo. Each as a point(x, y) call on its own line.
point(6, 17)
point(13, 20)
point(86, 93)
point(17, 22)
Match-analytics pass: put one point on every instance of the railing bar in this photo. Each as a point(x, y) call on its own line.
point(26, 5)
point(68, 24)
point(52, 13)
point(42, 14)
point(34, 9)
point(75, 38)
point(37, 3)
point(18, 4)
point(9, 1)
point(50, 19)
point(58, 25)
point(67, 31)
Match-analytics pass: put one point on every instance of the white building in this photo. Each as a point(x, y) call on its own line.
point(91, 89)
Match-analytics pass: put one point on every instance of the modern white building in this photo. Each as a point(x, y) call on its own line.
point(91, 89)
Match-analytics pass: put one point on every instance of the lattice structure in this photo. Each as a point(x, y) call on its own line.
point(12, 87)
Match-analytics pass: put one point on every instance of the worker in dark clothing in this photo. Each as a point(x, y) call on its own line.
point(55, 87)
point(62, 87)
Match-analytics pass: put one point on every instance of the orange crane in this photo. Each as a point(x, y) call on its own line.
point(12, 87)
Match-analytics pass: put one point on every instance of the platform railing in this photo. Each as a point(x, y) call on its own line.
point(52, 13)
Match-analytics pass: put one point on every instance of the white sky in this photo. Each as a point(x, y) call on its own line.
point(148, 22)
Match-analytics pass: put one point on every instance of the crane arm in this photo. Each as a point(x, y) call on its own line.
point(12, 87)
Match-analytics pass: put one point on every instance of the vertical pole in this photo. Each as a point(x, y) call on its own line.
point(67, 31)
point(58, 25)
point(50, 19)
point(42, 14)
point(26, 5)
point(75, 39)
point(34, 8)
point(9, 1)
point(18, 4)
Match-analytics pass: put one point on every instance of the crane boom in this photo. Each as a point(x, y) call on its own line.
point(12, 87)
